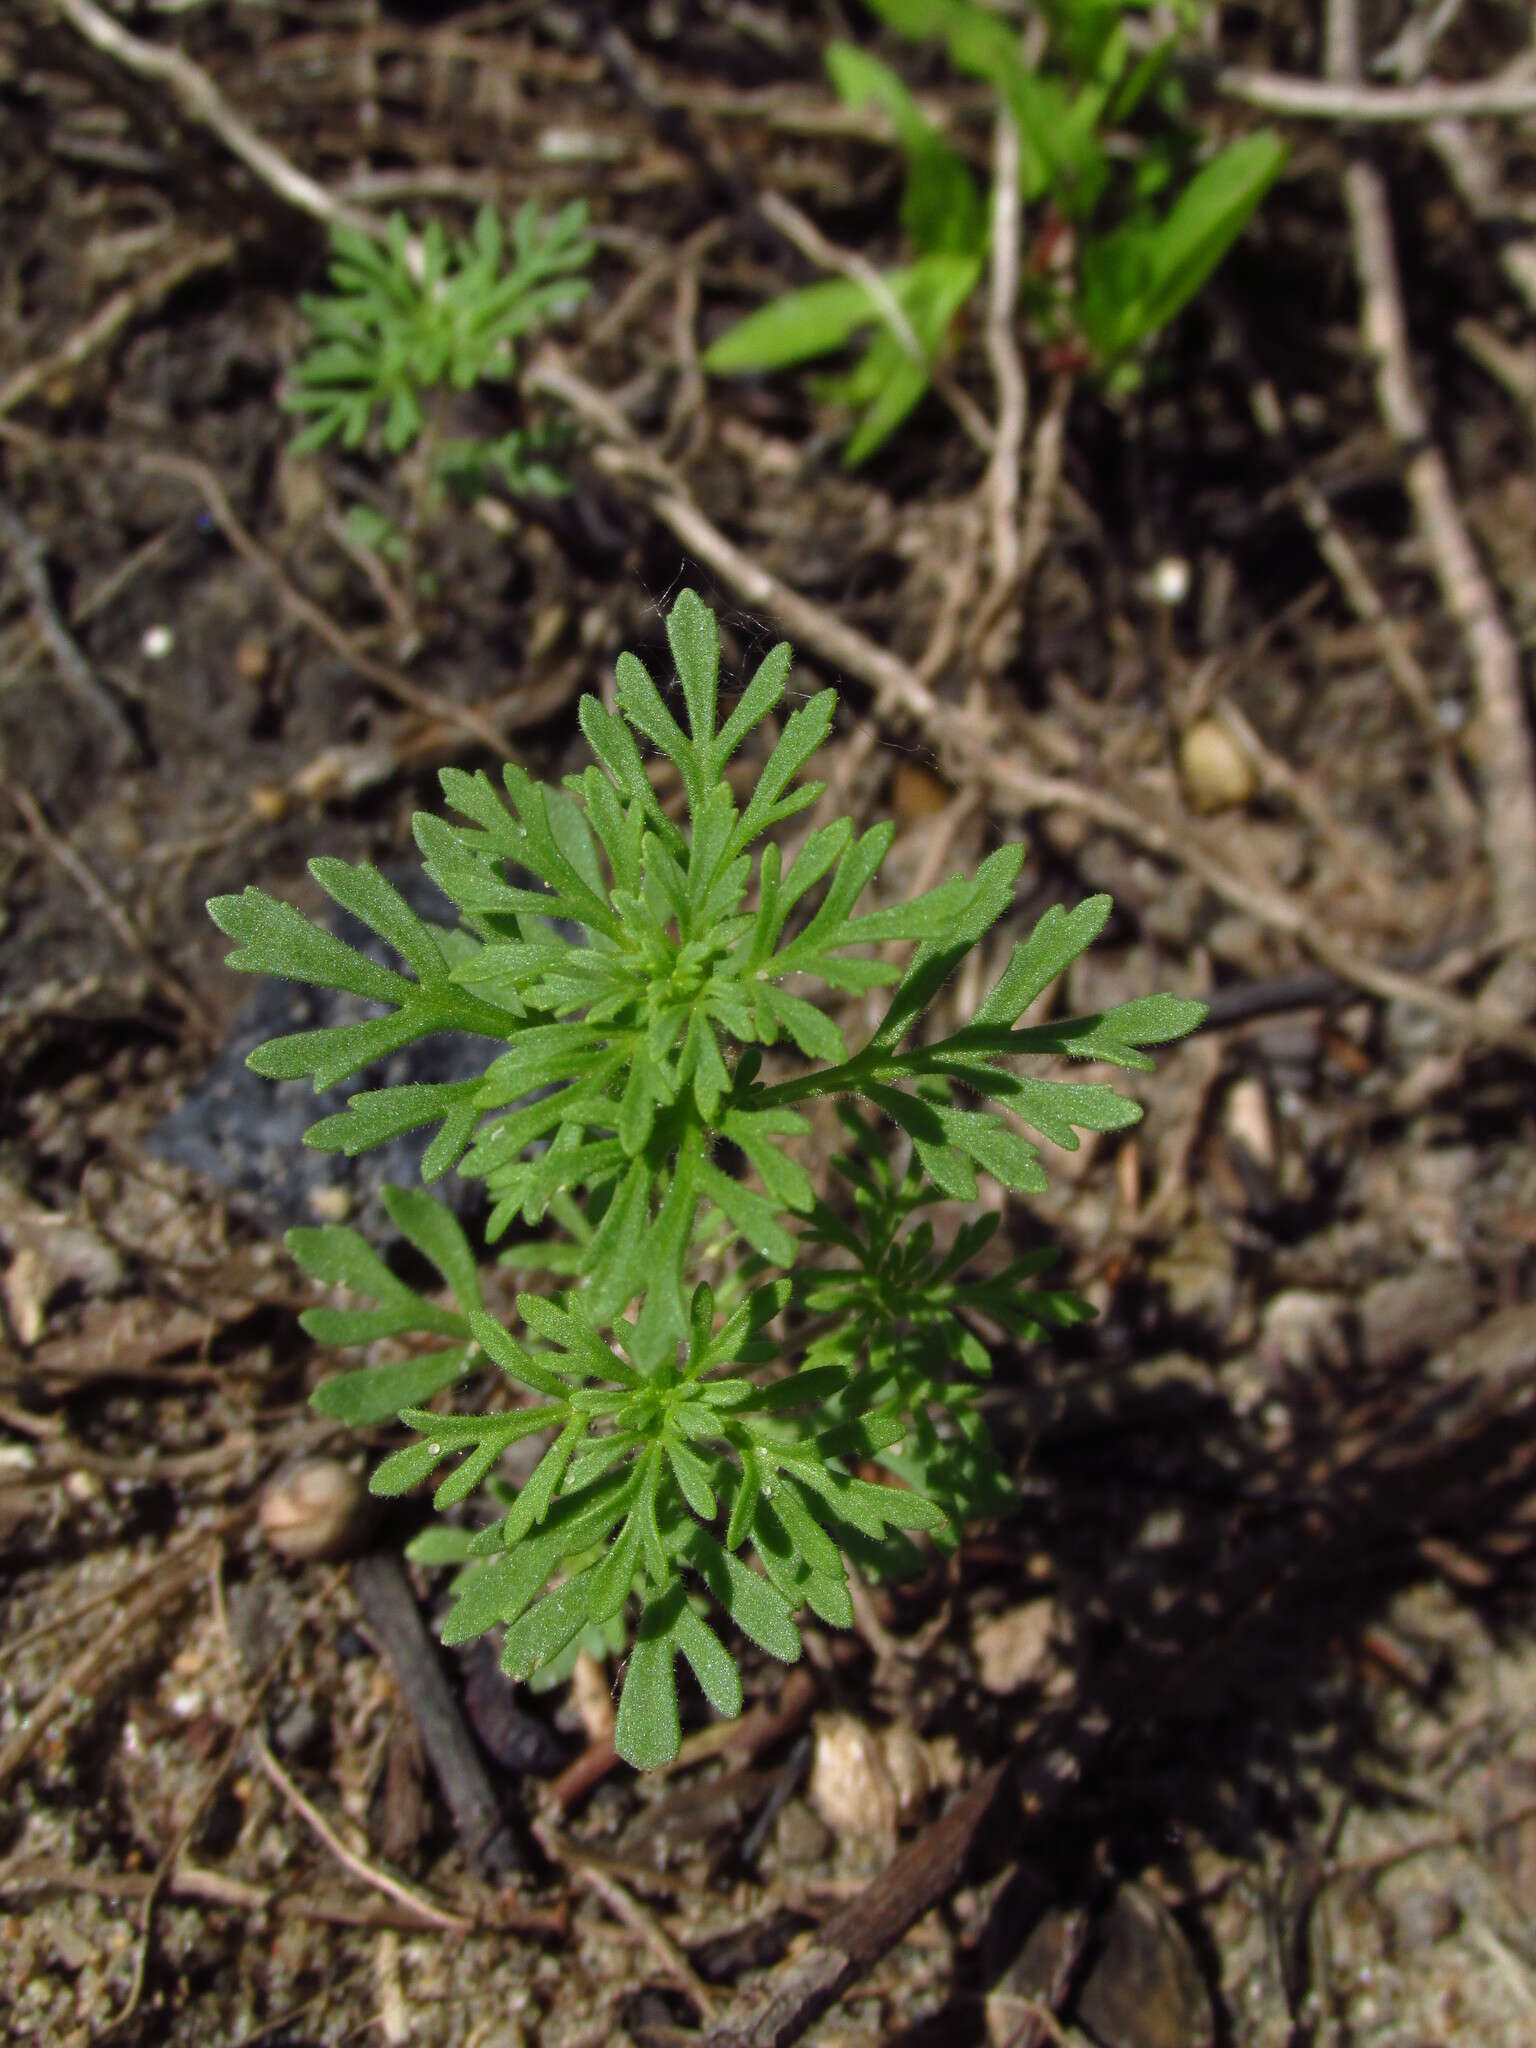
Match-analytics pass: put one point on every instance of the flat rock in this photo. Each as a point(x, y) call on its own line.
point(1412, 1313)
point(247, 1135)
point(1144, 1988)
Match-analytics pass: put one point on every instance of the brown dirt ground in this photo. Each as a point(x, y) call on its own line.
point(1270, 1587)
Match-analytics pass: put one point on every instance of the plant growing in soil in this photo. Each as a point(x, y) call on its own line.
point(1125, 233)
point(409, 322)
point(724, 1363)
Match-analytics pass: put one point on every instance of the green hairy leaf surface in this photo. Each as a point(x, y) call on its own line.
point(412, 315)
point(662, 994)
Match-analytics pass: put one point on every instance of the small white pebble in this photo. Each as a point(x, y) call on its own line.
point(1013, 1649)
point(1450, 714)
point(499, 518)
point(579, 146)
point(157, 643)
point(314, 1509)
point(1162, 1530)
point(1170, 580)
point(850, 1785)
point(1217, 774)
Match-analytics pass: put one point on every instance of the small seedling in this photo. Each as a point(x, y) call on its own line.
point(1125, 230)
point(742, 1383)
point(408, 323)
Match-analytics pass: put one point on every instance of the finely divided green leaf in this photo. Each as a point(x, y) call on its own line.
point(378, 1393)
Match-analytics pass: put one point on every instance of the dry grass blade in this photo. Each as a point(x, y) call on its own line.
point(1365, 601)
point(803, 232)
point(427, 1912)
point(121, 922)
point(84, 1672)
point(202, 102)
point(624, 1906)
point(75, 671)
point(798, 1991)
point(1506, 756)
point(965, 744)
point(319, 621)
point(119, 311)
point(1001, 486)
point(174, 1554)
point(1306, 99)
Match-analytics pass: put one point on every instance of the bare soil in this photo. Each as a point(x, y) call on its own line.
point(1257, 1649)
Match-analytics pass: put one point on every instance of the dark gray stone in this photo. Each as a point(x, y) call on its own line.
point(246, 1134)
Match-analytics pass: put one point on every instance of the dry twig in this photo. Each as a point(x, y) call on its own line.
point(108, 1596)
point(105, 591)
point(1507, 761)
point(1399, 659)
point(427, 1912)
point(1512, 368)
point(389, 1607)
point(76, 673)
point(525, 707)
point(687, 410)
point(1356, 855)
point(109, 320)
point(127, 930)
point(191, 1881)
point(202, 103)
point(799, 229)
point(1001, 485)
point(965, 746)
point(796, 1992)
point(165, 1869)
point(1471, 171)
point(83, 1673)
point(427, 702)
point(902, 698)
point(1044, 476)
point(953, 562)
point(1470, 167)
point(1467, 161)
point(629, 1910)
point(1180, 844)
point(1340, 99)
point(1407, 56)
point(759, 1728)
